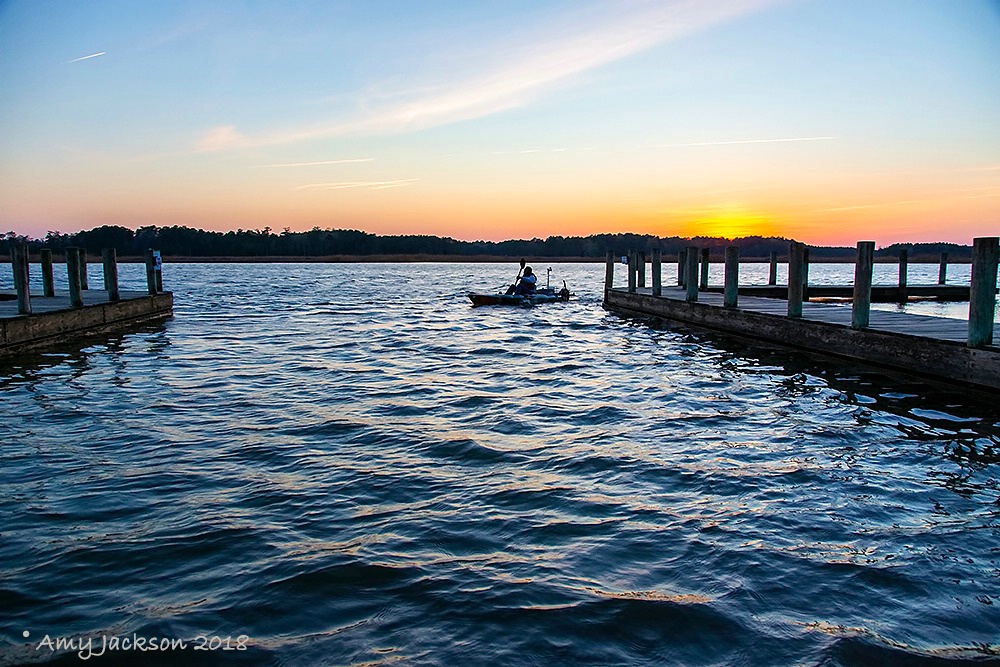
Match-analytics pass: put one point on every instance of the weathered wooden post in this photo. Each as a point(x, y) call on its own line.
point(863, 266)
point(609, 273)
point(704, 268)
point(681, 266)
point(691, 274)
point(641, 267)
point(150, 271)
point(982, 290)
point(732, 280)
point(632, 261)
point(158, 269)
point(904, 260)
point(943, 270)
point(73, 274)
point(48, 277)
point(657, 272)
point(772, 276)
point(796, 256)
point(111, 274)
point(83, 269)
point(805, 272)
point(22, 278)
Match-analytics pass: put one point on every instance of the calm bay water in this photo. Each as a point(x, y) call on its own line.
point(347, 464)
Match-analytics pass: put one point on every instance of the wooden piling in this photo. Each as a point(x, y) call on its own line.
point(632, 261)
point(772, 276)
point(982, 296)
point(691, 274)
point(943, 270)
point(657, 272)
point(48, 276)
point(22, 278)
point(805, 272)
point(796, 262)
point(732, 277)
point(83, 269)
point(150, 272)
point(863, 266)
point(704, 268)
point(681, 266)
point(641, 267)
point(158, 269)
point(111, 274)
point(73, 275)
point(904, 260)
point(609, 271)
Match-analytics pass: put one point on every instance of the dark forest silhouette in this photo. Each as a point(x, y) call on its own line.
point(317, 244)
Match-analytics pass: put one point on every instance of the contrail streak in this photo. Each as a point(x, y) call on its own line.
point(748, 141)
point(92, 55)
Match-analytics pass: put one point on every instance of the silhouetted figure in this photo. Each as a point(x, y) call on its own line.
point(526, 283)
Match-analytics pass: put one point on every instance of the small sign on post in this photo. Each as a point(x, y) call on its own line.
point(158, 267)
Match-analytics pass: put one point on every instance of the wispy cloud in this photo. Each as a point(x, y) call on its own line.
point(313, 164)
point(92, 55)
point(530, 150)
point(372, 185)
point(879, 205)
point(522, 76)
point(748, 141)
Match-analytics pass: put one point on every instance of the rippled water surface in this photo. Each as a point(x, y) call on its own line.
point(349, 464)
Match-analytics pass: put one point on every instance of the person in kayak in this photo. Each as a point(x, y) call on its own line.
point(526, 283)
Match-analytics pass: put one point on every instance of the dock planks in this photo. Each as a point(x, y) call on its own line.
point(922, 344)
point(54, 321)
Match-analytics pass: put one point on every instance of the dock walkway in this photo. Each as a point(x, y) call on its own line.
point(53, 320)
point(929, 346)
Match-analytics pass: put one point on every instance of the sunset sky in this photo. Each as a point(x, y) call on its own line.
point(826, 121)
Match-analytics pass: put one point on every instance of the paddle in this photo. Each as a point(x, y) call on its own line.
point(510, 290)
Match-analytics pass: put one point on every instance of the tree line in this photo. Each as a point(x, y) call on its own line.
point(316, 244)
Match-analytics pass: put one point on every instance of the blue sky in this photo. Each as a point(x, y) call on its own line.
point(825, 121)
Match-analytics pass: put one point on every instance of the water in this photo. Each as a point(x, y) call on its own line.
point(345, 464)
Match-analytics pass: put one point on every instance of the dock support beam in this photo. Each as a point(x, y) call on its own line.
point(681, 266)
point(150, 272)
point(943, 271)
point(632, 260)
point(731, 290)
point(772, 276)
point(904, 260)
point(691, 275)
point(796, 264)
point(704, 268)
point(111, 274)
point(641, 267)
point(805, 272)
point(657, 272)
point(48, 277)
point(73, 275)
point(863, 266)
point(83, 269)
point(609, 271)
point(982, 295)
point(22, 278)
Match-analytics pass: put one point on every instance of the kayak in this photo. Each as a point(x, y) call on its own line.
point(541, 295)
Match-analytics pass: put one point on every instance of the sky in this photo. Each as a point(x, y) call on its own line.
point(824, 121)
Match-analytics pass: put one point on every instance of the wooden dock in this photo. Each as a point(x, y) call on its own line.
point(54, 321)
point(950, 350)
point(880, 293)
point(31, 321)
